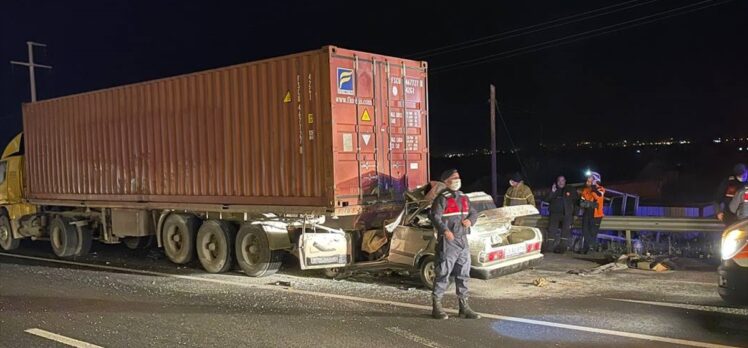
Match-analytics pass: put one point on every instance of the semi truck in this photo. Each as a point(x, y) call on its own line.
point(240, 164)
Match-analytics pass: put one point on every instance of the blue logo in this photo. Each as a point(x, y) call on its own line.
point(345, 81)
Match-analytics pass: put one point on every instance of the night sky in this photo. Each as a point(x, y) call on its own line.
point(684, 76)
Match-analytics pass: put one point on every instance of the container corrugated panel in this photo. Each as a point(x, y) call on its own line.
point(271, 132)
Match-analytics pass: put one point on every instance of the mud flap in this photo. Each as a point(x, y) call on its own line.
point(323, 249)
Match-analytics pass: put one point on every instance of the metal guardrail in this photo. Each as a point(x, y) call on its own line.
point(636, 223)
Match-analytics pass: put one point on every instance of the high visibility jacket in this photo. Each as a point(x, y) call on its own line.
point(519, 195)
point(725, 193)
point(595, 194)
point(739, 204)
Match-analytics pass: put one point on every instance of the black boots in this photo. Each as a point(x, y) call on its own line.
point(438, 312)
point(466, 312)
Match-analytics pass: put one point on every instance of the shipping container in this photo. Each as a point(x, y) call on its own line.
point(330, 129)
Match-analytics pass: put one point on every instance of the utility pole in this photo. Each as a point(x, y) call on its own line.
point(31, 65)
point(494, 181)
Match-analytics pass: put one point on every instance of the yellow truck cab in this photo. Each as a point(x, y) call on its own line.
point(12, 204)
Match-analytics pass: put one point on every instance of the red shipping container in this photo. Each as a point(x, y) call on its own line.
point(331, 129)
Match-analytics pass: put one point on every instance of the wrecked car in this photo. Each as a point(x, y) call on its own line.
point(408, 242)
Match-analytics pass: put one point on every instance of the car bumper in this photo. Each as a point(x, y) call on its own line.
point(506, 267)
point(733, 281)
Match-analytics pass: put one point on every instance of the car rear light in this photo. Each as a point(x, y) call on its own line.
point(533, 247)
point(496, 255)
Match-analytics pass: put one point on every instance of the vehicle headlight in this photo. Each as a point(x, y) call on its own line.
point(732, 243)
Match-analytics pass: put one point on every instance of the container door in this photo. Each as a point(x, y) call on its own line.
point(404, 130)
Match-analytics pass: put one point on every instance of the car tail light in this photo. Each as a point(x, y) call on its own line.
point(533, 247)
point(496, 255)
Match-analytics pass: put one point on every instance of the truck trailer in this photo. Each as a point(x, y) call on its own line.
point(240, 164)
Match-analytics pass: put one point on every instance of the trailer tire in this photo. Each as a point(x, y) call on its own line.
point(253, 252)
point(85, 240)
point(64, 237)
point(7, 242)
point(179, 233)
point(427, 271)
point(215, 245)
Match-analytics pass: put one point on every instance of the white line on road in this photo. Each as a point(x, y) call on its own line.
point(61, 339)
point(384, 302)
point(714, 309)
point(413, 337)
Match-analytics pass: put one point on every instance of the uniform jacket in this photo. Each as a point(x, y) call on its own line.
point(448, 211)
point(519, 195)
point(562, 201)
point(726, 192)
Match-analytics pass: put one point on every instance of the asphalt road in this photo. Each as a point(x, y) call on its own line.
point(116, 298)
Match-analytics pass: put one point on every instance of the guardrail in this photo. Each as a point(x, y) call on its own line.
point(636, 223)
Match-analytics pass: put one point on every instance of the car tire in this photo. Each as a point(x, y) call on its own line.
point(7, 242)
point(427, 271)
point(253, 252)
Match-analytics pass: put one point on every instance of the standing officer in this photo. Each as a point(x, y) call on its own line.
point(562, 202)
point(452, 217)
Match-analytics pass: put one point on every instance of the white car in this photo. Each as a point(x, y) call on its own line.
point(408, 243)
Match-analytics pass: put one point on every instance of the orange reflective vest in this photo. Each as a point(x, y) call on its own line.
point(588, 194)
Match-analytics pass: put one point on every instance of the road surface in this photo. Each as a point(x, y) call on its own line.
point(119, 298)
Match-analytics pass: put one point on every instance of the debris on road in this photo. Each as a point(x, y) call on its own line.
point(542, 282)
point(283, 283)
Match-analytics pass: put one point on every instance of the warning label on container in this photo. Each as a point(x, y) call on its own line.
point(365, 115)
point(287, 98)
point(347, 142)
point(366, 137)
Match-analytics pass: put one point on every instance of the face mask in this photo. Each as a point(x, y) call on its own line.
point(455, 184)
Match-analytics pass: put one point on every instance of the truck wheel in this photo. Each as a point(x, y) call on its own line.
point(215, 245)
point(85, 239)
point(253, 252)
point(64, 237)
point(179, 238)
point(7, 242)
point(428, 271)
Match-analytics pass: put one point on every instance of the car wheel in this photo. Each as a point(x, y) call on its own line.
point(428, 271)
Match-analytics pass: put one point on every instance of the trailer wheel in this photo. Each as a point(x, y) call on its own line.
point(428, 271)
point(85, 239)
point(253, 252)
point(7, 242)
point(179, 238)
point(64, 237)
point(215, 245)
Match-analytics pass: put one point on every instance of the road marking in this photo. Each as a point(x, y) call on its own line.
point(61, 339)
point(384, 302)
point(714, 309)
point(413, 337)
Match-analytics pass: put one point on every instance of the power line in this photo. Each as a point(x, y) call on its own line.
point(579, 36)
point(527, 30)
point(514, 149)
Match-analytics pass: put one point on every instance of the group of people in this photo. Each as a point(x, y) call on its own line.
point(453, 215)
point(564, 202)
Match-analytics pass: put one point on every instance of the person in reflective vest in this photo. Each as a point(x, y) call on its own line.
point(518, 193)
point(739, 204)
point(592, 211)
point(452, 216)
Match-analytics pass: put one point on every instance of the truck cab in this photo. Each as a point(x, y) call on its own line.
point(12, 205)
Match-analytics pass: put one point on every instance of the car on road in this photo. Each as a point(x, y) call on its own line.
point(733, 271)
point(408, 242)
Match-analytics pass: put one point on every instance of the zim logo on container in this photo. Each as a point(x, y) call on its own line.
point(345, 81)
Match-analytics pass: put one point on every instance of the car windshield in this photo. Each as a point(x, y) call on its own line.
point(481, 205)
